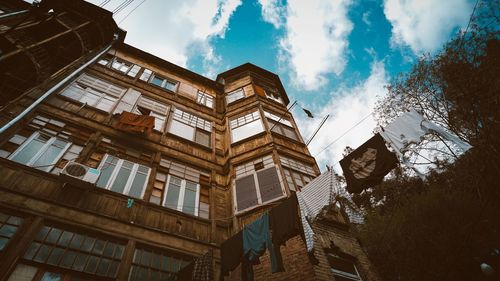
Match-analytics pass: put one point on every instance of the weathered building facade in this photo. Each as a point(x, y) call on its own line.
point(140, 206)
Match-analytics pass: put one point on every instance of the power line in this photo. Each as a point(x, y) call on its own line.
point(129, 13)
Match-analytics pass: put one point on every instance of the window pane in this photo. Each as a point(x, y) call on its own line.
point(90, 98)
point(23, 273)
point(106, 103)
point(106, 170)
point(121, 179)
point(246, 195)
point(190, 198)
point(157, 81)
point(182, 130)
point(33, 147)
point(137, 185)
point(170, 86)
point(49, 156)
point(8, 230)
point(247, 130)
point(269, 184)
point(202, 138)
point(173, 191)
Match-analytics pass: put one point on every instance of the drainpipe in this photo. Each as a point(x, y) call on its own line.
point(8, 15)
point(55, 87)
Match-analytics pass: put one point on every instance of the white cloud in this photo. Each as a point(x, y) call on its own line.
point(176, 29)
point(366, 18)
point(424, 25)
point(315, 40)
point(347, 106)
point(273, 11)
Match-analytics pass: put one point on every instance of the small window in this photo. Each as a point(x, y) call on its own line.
point(343, 269)
point(235, 95)
point(123, 176)
point(146, 74)
point(164, 83)
point(148, 106)
point(182, 195)
point(273, 95)
point(205, 99)
point(245, 126)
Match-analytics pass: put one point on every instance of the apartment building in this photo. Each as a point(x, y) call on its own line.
point(87, 194)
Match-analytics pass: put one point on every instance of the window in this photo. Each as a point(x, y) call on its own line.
point(191, 127)
point(146, 74)
point(205, 99)
point(148, 106)
point(125, 67)
point(245, 126)
point(181, 189)
point(8, 227)
point(155, 265)
point(94, 92)
point(163, 82)
point(297, 174)
point(75, 251)
point(235, 95)
point(123, 176)
point(281, 125)
point(46, 144)
point(40, 151)
point(273, 95)
point(257, 183)
point(343, 269)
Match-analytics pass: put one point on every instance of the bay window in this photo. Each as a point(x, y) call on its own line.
point(191, 127)
point(245, 126)
point(123, 176)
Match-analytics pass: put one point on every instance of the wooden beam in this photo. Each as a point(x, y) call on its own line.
point(124, 269)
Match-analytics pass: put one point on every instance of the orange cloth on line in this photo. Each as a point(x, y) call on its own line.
point(135, 123)
point(260, 91)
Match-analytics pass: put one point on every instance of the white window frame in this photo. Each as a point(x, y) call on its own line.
point(182, 192)
point(205, 99)
point(37, 155)
point(130, 180)
point(343, 273)
point(164, 83)
point(257, 189)
point(244, 120)
point(235, 95)
point(154, 107)
point(193, 121)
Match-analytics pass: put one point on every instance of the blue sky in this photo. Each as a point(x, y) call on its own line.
point(334, 57)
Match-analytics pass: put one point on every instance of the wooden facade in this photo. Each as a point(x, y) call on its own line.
point(163, 198)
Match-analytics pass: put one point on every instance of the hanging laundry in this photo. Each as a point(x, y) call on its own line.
point(411, 127)
point(368, 164)
point(319, 193)
point(256, 238)
point(285, 224)
point(131, 122)
point(231, 253)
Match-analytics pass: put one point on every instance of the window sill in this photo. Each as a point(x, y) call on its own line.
point(274, 134)
point(260, 206)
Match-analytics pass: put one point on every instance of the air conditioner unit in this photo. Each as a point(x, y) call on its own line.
point(79, 175)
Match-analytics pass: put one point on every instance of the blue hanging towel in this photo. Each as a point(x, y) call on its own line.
point(256, 238)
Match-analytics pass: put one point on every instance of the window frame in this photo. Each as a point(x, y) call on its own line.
point(259, 203)
point(204, 98)
point(130, 180)
point(164, 82)
point(244, 122)
point(40, 152)
point(234, 92)
point(182, 193)
point(193, 122)
point(341, 273)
